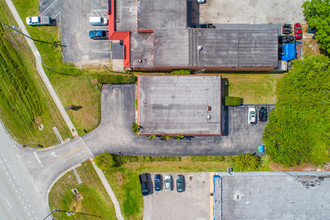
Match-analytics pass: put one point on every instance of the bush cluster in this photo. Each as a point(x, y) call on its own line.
point(232, 101)
point(116, 79)
point(180, 72)
point(247, 162)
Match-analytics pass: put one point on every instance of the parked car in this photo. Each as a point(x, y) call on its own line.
point(297, 31)
point(158, 182)
point(179, 183)
point(168, 183)
point(286, 29)
point(98, 34)
point(98, 21)
point(252, 115)
point(38, 21)
point(201, 1)
point(311, 30)
point(263, 114)
point(144, 182)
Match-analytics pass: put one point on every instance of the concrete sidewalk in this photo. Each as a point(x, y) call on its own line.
point(109, 191)
point(41, 70)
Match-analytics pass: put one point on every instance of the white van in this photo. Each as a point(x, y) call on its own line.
point(98, 21)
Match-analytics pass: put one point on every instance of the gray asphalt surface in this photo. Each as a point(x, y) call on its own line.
point(20, 198)
point(114, 134)
point(73, 17)
point(192, 203)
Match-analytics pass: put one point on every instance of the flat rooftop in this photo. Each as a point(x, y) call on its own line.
point(284, 197)
point(216, 47)
point(170, 14)
point(180, 104)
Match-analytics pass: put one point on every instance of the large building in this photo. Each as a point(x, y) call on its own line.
point(188, 105)
point(161, 36)
point(271, 195)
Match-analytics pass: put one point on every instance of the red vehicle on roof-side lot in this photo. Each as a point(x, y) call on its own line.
point(297, 31)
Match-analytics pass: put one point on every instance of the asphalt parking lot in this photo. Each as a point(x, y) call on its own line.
point(73, 16)
point(251, 12)
point(193, 203)
point(114, 134)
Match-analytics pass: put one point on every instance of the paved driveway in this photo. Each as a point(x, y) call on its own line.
point(114, 135)
point(73, 17)
point(251, 11)
point(192, 203)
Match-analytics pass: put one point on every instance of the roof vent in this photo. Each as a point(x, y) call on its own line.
point(208, 117)
point(200, 48)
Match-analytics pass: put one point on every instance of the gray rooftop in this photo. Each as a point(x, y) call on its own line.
point(169, 14)
point(179, 105)
point(304, 197)
point(220, 47)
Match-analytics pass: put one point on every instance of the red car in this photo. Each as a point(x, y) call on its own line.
point(297, 31)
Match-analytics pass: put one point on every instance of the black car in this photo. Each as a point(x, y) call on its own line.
point(158, 182)
point(144, 182)
point(179, 183)
point(263, 114)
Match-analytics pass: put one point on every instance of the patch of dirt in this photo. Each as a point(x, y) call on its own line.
point(94, 81)
point(119, 178)
point(302, 168)
point(130, 218)
point(76, 206)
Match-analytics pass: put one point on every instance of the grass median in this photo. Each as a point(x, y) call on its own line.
point(24, 100)
point(92, 198)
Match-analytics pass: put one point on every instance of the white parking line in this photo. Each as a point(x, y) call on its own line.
point(36, 155)
point(48, 8)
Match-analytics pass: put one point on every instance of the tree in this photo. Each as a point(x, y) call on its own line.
point(298, 127)
point(317, 13)
point(105, 161)
point(247, 162)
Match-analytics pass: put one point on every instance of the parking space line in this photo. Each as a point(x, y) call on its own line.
point(48, 7)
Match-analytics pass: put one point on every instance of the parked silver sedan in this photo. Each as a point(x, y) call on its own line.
point(168, 183)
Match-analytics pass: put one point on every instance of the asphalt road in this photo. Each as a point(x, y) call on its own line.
point(20, 198)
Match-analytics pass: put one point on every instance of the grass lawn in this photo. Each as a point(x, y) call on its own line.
point(95, 198)
point(24, 100)
point(73, 85)
point(254, 88)
point(125, 182)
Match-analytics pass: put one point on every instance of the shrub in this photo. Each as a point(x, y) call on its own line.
point(178, 137)
point(116, 79)
point(180, 72)
point(232, 101)
point(105, 161)
point(151, 137)
point(247, 162)
point(135, 127)
point(166, 137)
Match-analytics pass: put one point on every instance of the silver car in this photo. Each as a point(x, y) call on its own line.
point(168, 183)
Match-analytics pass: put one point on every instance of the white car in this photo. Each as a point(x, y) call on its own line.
point(252, 115)
point(168, 183)
point(98, 21)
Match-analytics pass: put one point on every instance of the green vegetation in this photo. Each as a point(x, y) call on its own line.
point(75, 85)
point(232, 101)
point(298, 128)
point(253, 88)
point(125, 182)
point(247, 162)
point(180, 72)
point(151, 137)
point(166, 137)
point(95, 199)
point(317, 13)
point(105, 161)
point(135, 128)
point(24, 101)
point(116, 79)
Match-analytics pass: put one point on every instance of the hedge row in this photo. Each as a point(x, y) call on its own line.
point(116, 79)
point(233, 101)
point(180, 72)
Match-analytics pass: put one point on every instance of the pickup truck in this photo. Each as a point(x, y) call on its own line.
point(38, 21)
point(98, 34)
